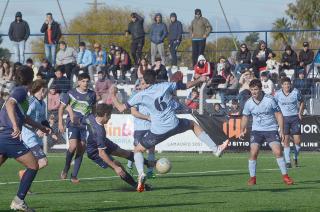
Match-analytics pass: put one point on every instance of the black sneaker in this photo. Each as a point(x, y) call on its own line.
point(147, 187)
point(288, 165)
point(296, 163)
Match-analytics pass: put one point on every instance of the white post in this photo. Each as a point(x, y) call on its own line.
point(201, 99)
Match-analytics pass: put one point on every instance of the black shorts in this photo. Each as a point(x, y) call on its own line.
point(138, 135)
point(37, 152)
point(12, 148)
point(78, 133)
point(259, 137)
point(292, 125)
point(150, 139)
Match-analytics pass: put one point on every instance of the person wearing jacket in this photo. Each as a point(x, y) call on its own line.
point(99, 61)
point(84, 60)
point(52, 34)
point(243, 59)
point(202, 68)
point(260, 57)
point(158, 32)
point(19, 33)
point(200, 29)
point(66, 58)
point(174, 36)
point(135, 29)
point(289, 59)
point(306, 57)
point(161, 71)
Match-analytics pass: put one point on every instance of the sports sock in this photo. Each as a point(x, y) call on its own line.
point(129, 164)
point(204, 137)
point(138, 161)
point(77, 164)
point(282, 165)
point(129, 179)
point(296, 151)
point(131, 158)
point(252, 168)
point(26, 182)
point(151, 158)
point(286, 152)
point(69, 156)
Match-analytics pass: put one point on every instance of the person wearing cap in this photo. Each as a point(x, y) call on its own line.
point(175, 37)
point(200, 29)
point(84, 59)
point(19, 33)
point(66, 58)
point(306, 57)
point(158, 32)
point(52, 35)
point(289, 61)
point(135, 29)
point(202, 68)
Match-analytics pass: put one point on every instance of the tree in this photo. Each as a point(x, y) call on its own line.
point(4, 53)
point(223, 46)
point(284, 37)
point(251, 40)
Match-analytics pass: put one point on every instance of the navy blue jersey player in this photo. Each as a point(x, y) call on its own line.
point(291, 104)
point(100, 149)
point(266, 120)
point(12, 117)
point(158, 99)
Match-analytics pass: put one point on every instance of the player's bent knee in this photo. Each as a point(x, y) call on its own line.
point(42, 163)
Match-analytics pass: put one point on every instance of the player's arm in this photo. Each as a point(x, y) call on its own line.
point(10, 106)
point(103, 155)
point(117, 104)
point(279, 118)
point(196, 82)
point(37, 126)
point(139, 115)
point(60, 117)
point(244, 125)
point(301, 108)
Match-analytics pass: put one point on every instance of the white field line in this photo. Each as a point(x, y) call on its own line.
point(111, 177)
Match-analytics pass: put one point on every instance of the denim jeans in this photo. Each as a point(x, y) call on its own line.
point(18, 48)
point(157, 48)
point(50, 50)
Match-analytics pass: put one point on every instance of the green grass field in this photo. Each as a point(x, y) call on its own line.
point(197, 182)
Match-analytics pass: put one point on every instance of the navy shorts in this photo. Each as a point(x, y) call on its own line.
point(94, 154)
point(150, 139)
point(138, 135)
point(259, 137)
point(78, 133)
point(12, 148)
point(292, 125)
point(37, 152)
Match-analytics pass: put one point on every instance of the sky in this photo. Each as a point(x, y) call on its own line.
point(241, 14)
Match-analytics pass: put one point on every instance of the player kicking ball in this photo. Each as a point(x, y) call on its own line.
point(158, 98)
point(100, 149)
point(291, 105)
point(267, 119)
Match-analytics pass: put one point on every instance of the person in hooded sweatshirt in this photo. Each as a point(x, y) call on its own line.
point(200, 29)
point(19, 33)
point(174, 36)
point(158, 32)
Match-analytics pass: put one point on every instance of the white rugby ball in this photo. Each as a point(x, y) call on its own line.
point(163, 165)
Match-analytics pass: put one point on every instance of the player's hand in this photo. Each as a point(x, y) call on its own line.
point(242, 135)
point(281, 136)
point(40, 133)
point(119, 171)
point(55, 137)
point(16, 132)
point(61, 128)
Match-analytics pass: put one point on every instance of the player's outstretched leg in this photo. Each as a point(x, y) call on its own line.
point(205, 138)
point(286, 151)
point(276, 149)
point(151, 159)
point(31, 164)
point(139, 161)
point(81, 146)
point(252, 165)
point(69, 155)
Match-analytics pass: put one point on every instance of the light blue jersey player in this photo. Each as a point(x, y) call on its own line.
point(291, 105)
point(266, 119)
point(158, 99)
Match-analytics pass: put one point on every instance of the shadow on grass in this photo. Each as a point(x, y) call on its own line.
point(213, 174)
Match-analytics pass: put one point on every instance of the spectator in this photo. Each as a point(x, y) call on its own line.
point(222, 65)
point(230, 87)
point(160, 69)
point(19, 33)
point(6, 71)
point(66, 58)
point(200, 30)
point(218, 110)
point(135, 29)
point(267, 84)
point(143, 66)
point(158, 32)
point(52, 34)
point(259, 58)
point(46, 70)
point(29, 62)
point(99, 60)
point(235, 109)
point(202, 68)
point(243, 59)
point(306, 57)
point(53, 100)
point(289, 61)
point(272, 64)
point(116, 60)
point(302, 83)
point(110, 60)
point(244, 92)
point(39, 76)
point(84, 59)
point(125, 63)
point(61, 83)
point(103, 88)
point(192, 101)
point(175, 37)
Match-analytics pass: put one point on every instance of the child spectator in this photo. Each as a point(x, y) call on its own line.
point(234, 109)
point(160, 69)
point(61, 83)
point(53, 100)
point(272, 64)
point(193, 101)
point(202, 68)
point(267, 84)
point(29, 62)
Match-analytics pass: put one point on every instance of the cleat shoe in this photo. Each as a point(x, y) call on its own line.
point(252, 181)
point(296, 163)
point(74, 180)
point(288, 165)
point(151, 175)
point(287, 180)
point(20, 205)
point(221, 148)
point(63, 175)
point(147, 187)
point(141, 182)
